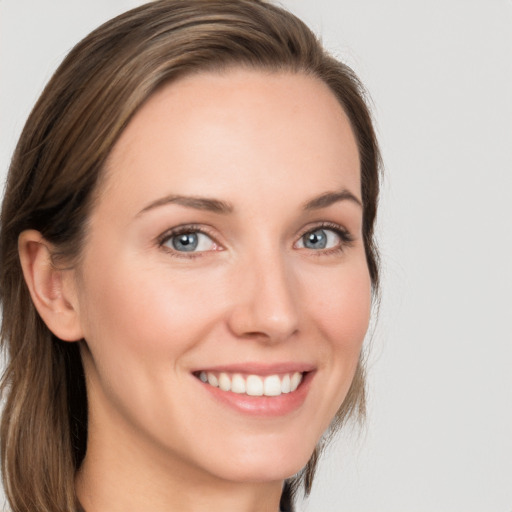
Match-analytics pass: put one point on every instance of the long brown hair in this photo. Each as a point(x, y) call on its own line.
point(55, 172)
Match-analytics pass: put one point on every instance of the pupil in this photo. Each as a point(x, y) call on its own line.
point(316, 239)
point(185, 242)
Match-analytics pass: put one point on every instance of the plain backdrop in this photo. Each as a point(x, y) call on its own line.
point(439, 430)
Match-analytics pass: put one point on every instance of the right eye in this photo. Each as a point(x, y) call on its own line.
point(190, 241)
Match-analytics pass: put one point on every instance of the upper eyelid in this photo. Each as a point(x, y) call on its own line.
point(334, 226)
point(186, 228)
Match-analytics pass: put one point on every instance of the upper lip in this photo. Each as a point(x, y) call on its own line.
point(259, 368)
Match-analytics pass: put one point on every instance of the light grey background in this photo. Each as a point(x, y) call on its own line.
point(439, 433)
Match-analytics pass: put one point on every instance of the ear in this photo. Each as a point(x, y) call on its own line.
point(53, 290)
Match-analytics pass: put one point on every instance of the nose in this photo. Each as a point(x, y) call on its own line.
point(265, 302)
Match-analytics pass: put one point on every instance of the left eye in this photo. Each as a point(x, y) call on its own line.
point(320, 238)
point(190, 241)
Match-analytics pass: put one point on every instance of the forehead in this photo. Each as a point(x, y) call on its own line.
point(221, 133)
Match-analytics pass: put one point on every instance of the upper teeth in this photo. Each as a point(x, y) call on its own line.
point(253, 385)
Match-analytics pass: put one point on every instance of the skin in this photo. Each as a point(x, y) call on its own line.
point(266, 144)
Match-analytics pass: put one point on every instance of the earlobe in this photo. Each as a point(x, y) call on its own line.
point(49, 287)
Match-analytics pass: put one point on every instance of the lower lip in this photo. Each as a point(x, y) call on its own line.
point(263, 405)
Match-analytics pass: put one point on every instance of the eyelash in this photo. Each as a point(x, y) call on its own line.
point(181, 230)
point(346, 239)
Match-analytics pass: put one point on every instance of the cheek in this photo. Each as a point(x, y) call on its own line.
point(142, 325)
point(343, 309)
point(148, 311)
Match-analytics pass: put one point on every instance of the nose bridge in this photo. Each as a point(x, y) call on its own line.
point(266, 302)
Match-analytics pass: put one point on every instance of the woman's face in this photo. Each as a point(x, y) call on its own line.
point(225, 246)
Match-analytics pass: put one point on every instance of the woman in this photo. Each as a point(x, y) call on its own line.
point(187, 264)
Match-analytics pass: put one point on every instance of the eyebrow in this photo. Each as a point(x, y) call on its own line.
point(217, 206)
point(329, 198)
point(198, 203)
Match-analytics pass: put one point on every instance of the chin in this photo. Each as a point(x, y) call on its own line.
point(269, 464)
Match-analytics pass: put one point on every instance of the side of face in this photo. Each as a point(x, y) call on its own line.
point(226, 240)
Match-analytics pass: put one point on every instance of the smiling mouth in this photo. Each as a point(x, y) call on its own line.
point(252, 385)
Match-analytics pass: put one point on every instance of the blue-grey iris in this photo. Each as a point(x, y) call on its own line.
point(186, 242)
point(315, 239)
